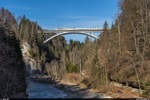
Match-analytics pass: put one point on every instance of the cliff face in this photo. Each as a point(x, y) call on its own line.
point(32, 66)
point(12, 70)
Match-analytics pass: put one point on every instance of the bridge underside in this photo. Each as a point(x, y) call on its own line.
point(64, 33)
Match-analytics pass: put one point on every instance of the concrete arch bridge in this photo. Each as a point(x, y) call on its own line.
point(64, 31)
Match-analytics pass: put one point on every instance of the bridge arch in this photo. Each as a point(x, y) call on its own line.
point(64, 33)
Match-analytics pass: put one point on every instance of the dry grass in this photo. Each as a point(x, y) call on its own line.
point(72, 78)
point(123, 93)
point(113, 91)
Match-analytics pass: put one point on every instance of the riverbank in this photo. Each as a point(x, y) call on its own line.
point(79, 91)
point(73, 90)
point(76, 89)
point(113, 89)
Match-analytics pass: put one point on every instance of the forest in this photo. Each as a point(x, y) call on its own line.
point(121, 54)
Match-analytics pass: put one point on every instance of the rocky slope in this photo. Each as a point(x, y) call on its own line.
point(32, 66)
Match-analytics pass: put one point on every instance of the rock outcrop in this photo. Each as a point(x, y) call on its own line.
point(32, 66)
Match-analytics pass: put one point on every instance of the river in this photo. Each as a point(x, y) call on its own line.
point(43, 90)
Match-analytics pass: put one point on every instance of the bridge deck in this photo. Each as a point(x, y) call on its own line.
point(73, 30)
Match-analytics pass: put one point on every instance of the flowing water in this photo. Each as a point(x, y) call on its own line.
point(43, 90)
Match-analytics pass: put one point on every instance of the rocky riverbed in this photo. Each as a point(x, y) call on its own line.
point(43, 90)
point(79, 90)
point(40, 88)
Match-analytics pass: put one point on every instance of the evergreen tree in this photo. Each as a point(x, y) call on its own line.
point(105, 26)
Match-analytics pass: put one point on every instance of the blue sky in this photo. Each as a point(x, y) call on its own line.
point(51, 14)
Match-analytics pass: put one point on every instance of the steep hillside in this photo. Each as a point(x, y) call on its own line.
point(123, 51)
point(12, 69)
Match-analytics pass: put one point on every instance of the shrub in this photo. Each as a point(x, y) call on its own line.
point(31, 53)
point(72, 68)
point(146, 92)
